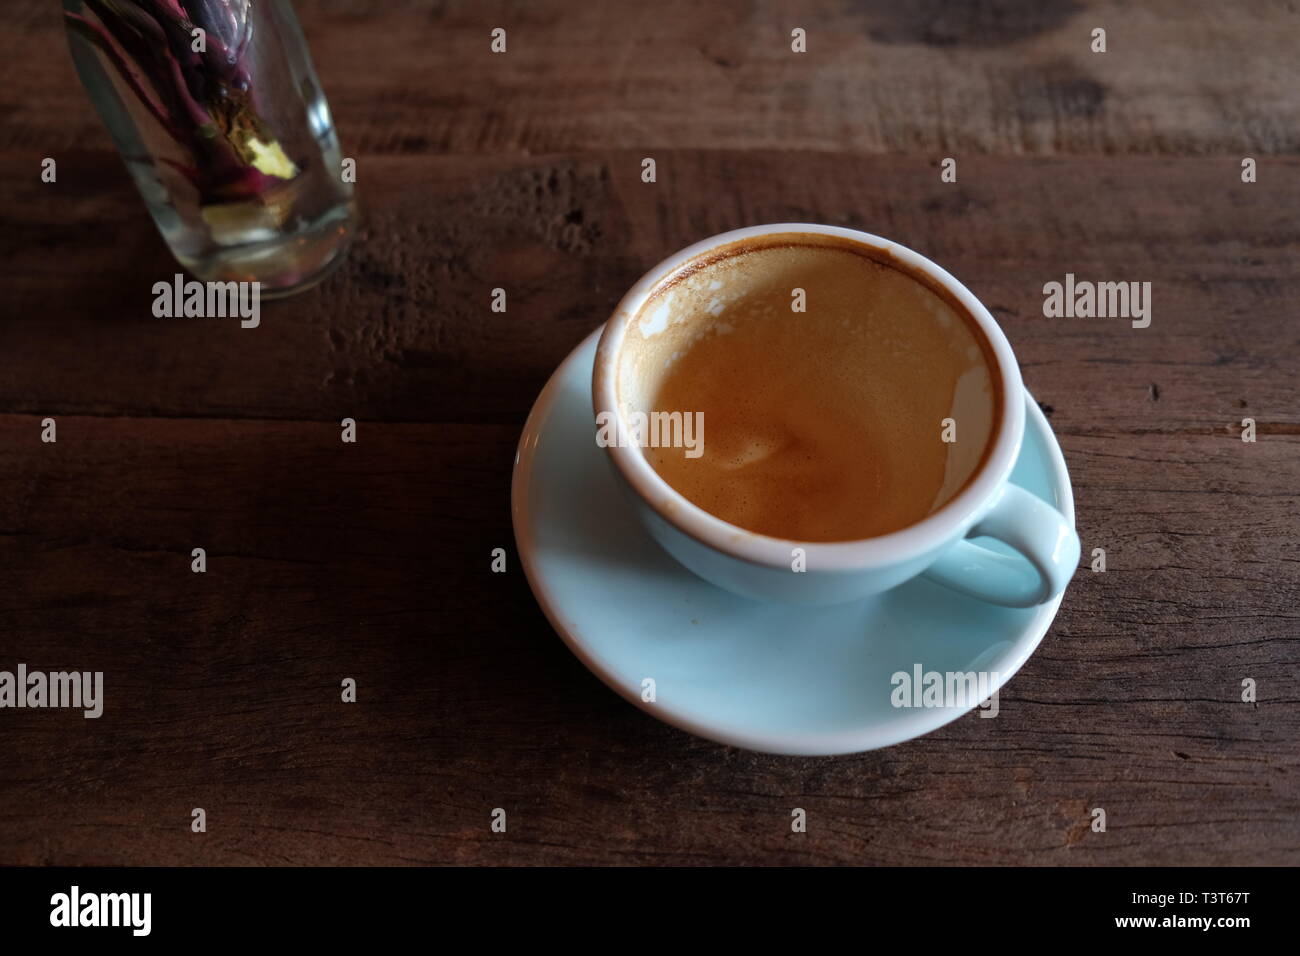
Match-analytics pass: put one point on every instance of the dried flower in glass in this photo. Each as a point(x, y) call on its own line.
point(216, 109)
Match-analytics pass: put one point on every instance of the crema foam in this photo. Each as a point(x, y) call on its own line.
point(857, 416)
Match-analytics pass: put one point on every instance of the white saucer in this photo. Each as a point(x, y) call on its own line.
point(769, 677)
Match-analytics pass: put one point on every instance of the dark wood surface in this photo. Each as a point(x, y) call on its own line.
point(372, 560)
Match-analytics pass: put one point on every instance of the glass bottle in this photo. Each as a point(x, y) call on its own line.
point(216, 109)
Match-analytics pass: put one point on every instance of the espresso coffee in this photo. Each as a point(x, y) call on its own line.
point(821, 424)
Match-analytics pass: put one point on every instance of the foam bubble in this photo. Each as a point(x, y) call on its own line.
point(657, 320)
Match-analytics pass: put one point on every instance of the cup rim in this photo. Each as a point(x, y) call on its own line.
point(929, 534)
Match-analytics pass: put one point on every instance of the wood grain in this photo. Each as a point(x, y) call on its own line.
point(406, 332)
point(988, 76)
point(371, 560)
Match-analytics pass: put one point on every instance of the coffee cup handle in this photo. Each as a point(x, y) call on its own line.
point(1047, 543)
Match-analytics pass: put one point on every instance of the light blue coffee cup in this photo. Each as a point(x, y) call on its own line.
point(938, 546)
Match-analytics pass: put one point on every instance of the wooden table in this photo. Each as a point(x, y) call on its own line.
point(522, 170)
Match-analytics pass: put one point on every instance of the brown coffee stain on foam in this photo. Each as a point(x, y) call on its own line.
point(815, 427)
point(789, 241)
